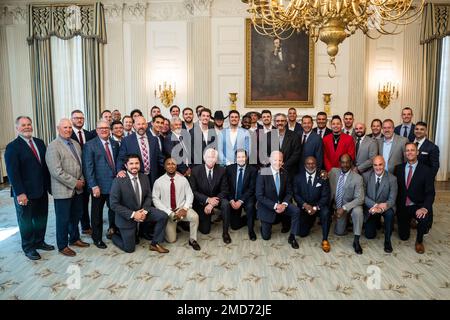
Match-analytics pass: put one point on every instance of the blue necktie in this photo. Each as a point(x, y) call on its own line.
point(340, 191)
point(239, 185)
point(74, 152)
point(277, 182)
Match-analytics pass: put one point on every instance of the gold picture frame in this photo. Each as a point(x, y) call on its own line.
point(266, 67)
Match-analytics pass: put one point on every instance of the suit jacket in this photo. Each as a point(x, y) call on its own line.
point(387, 192)
point(396, 155)
point(381, 136)
point(25, 173)
point(421, 189)
point(312, 147)
point(297, 129)
point(327, 131)
point(89, 135)
point(201, 188)
point(123, 200)
point(291, 149)
point(130, 145)
point(353, 188)
point(64, 168)
point(411, 136)
point(352, 132)
point(96, 168)
point(197, 140)
point(266, 193)
point(248, 182)
point(227, 150)
point(331, 156)
point(429, 155)
point(368, 149)
point(317, 195)
point(180, 152)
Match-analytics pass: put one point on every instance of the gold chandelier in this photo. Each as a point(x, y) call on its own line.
point(331, 21)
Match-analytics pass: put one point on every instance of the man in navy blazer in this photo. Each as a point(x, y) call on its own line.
point(242, 182)
point(312, 195)
point(144, 145)
point(99, 158)
point(82, 136)
point(428, 151)
point(311, 143)
point(406, 129)
point(322, 130)
point(274, 194)
point(30, 182)
point(415, 196)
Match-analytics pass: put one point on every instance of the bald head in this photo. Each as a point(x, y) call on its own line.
point(378, 165)
point(360, 129)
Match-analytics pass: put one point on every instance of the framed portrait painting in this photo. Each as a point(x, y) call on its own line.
point(279, 72)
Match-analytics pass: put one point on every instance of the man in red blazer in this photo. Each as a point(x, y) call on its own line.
point(336, 144)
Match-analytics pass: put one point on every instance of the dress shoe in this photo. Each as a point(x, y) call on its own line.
point(68, 252)
point(293, 243)
point(100, 244)
point(357, 248)
point(33, 255)
point(252, 235)
point(388, 247)
point(326, 246)
point(420, 249)
point(226, 237)
point(159, 248)
point(46, 247)
point(147, 236)
point(80, 244)
point(87, 231)
point(137, 240)
point(194, 245)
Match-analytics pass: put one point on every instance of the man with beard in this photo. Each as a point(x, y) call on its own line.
point(365, 149)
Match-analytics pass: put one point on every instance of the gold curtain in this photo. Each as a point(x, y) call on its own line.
point(435, 26)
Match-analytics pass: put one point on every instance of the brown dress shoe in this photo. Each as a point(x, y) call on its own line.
point(80, 244)
point(326, 246)
point(68, 252)
point(420, 249)
point(159, 248)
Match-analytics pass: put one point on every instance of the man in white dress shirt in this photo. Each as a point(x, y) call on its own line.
point(173, 195)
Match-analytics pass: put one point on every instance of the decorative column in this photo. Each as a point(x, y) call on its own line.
point(357, 95)
point(199, 53)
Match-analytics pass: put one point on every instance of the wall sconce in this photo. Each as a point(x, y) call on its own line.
point(387, 92)
point(165, 94)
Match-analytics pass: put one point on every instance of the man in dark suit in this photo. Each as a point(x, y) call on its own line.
point(210, 188)
point(242, 183)
point(81, 135)
point(312, 195)
point(30, 182)
point(177, 145)
point(428, 151)
point(348, 124)
point(380, 196)
point(202, 137)
point(406, 129)
point(311, 143)
point(131, 200)
point(415, 196)
point(321, 119)
point(155, 131)
point(99, 168)
point(274, 194)
point(292, 123)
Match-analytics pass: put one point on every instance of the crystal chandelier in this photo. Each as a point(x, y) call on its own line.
point(331, 21)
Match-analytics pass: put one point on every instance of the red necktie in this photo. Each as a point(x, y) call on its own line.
point(408, 181)
point(173, 202)
point(80, 138)
point(108, 155)
point(34, 150)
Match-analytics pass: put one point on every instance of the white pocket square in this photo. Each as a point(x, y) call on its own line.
point(318, 185)
point(423, 152)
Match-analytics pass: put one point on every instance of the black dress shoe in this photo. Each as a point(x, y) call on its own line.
point(147, 236)
point(46, 247)
point(194, 245)
point(100, 244)
point(33, 255)
point(226, 237)
point(387, 247)
point(293, 243)
point(252, 235)
point(357, 248)
point(137, 240)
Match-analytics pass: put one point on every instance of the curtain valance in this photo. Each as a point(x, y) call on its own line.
point(435, 22)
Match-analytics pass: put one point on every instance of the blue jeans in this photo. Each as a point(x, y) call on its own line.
point(68, 214)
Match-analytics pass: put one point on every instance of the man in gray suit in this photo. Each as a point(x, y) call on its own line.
point(131, 199)
point(366, 149)
point(63, 159)
point(381, 194)
point(392, 146)
point(347, 194)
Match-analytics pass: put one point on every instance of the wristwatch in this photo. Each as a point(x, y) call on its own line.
point(315, 208)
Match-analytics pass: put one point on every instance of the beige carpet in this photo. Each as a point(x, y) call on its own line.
point(241, 270)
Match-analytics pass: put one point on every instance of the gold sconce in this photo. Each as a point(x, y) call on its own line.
point(233, 99)
point(326, 100)
point(165, 94)
point(387, 92)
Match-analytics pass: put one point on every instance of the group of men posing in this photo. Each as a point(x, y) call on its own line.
point(152, 178)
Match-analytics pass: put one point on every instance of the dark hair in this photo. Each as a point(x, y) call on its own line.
point(407, 108)
point(234, 111)
point(307, 116)
point(139, 112)
point(174, 106)
point(376, 120)
point(349, 113)
point(127, 116)
point(188, 108)
point(240, 150)
point(76, 111)
point(205, 110)
point(321, 113)
point(292, 108)
point(103, 112)
point(336, 117)
point(153, 108)
point(389, 120)
point(158, 116)
point(421, 123)
point(266, 111)
point(412, 143)
point(116, 110)
point(198, 107)
point(132, 156)
point(115, 122)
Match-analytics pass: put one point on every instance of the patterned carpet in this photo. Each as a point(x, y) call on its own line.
point(241, 270)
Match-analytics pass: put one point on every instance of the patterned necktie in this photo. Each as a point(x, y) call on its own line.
point(173, 201)
point(136, 190)
point(405, 131)
point(239, 185)
point(320, 133)
point(277, 182)
point(80, 138)
point(74, 152)
point(145, 157)
point(377, 186)
point(408, 181)
point(340, 191)
point(109, 156)
point(34, 150)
